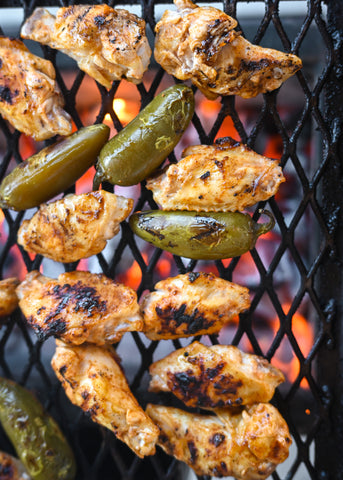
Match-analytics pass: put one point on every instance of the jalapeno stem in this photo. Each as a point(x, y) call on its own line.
point(262, 228)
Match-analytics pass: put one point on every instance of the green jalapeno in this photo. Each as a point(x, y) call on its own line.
point(137, 150)
point(35, 435)
point(53, 169)
point(200, 236)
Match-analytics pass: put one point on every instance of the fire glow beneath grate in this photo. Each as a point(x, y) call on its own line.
point(288, 321)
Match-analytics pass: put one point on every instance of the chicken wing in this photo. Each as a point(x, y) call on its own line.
point(79, 307)
point(106, 43)
point(8, 297)
point(29, 96)
point(191, 304)
point(11, 468)
point(216, 376)
point(75, 227)
point(247, 445)
point(225, 177)
point(93, 380)
point(200, 43)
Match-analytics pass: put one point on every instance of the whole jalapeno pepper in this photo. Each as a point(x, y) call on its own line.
point(35, 435)
point(53, 169)
point(137, 150)
point(200, 236)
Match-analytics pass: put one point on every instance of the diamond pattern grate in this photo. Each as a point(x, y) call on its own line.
point(294, 275)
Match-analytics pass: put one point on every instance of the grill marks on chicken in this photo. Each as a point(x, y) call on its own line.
point(227, 176)
point(247, 445)
point(199, 43)
point(75, 227)
point(216, 376)
point(29, 96)
point(8, 296)
point(79, 307)
point(108, 44)
point(191, 304)
point(94, 380)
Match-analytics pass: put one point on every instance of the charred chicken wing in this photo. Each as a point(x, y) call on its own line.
point(11, 468)
point(106, 43)
point(29, 97)
point(75, 227)
point(216, 376)
point(79, 307)
point(200, 43)
point(8, 296)
point(191, 304)
point(227, 176)
point(247, 445)
point(93, 380)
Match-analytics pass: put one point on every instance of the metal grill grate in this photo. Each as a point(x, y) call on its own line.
point(295, 274)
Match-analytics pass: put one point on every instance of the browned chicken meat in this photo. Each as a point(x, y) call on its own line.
point(191, 304)
point(247, 445)
point(108, 44)
point(79, 307)
point(216, 376)
point(200, 43)
point(75, 227)
point(11, 468)
point(227, 176)
point(29, 96)
point(8, 296)
point(94, 380)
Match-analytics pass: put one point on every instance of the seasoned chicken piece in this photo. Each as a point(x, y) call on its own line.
point(225, 177)
point(195, 303)
point(11, 468)
point(29, 96)
point(247, 445)
point(79, 307)
point(94, 380)
point(216, 376)
point(106, 43)
point(75, 227)
point(200, 43)
point(8, 296)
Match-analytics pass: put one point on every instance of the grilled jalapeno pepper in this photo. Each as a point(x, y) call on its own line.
point(53, 169)
point(200, 236)
point(35, 435)
point(137, 150)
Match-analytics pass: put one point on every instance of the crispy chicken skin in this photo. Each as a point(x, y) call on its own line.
point(200, 43)
point(75, 227)
point(216, 376)
point(247, 445)
point(11, 468)
point(191, 304)
point(8, 296)
point(79, 307)
point(106, 43)
point(94, 380)
point(225, 177)
point(29, 96)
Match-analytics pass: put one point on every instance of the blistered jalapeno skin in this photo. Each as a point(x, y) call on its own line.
point(53, 169)
point(35, 435)
point(200, 236)
point(137, 150)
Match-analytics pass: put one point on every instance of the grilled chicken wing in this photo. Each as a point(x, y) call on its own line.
point(191, 304)
point(29, 97)
point(199, 43)
point(75, 227)
point(216, 376)
point(8, 296)
point(247, 445)
point(93, 380)
point(227, 176)
point(11, 468)
point(79, 307)
point(106, 43)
